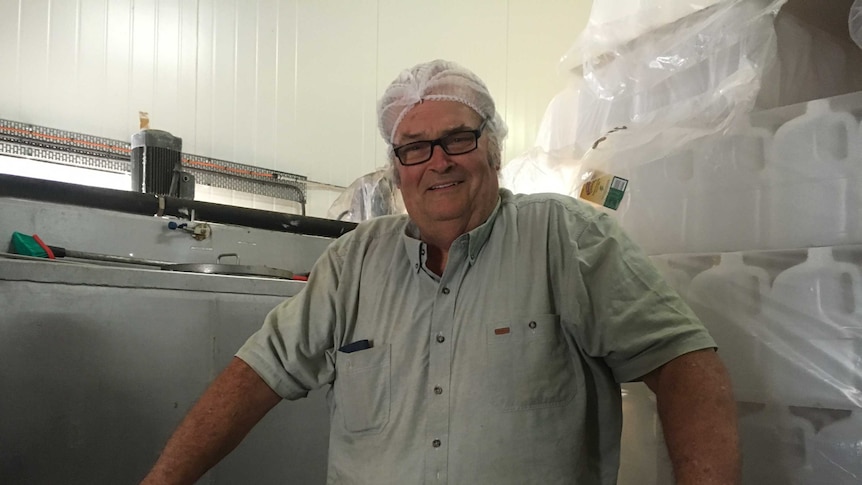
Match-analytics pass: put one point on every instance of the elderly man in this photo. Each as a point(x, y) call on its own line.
point(479, 340)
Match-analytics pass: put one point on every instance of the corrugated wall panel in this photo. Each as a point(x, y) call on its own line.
point(265, 132)
point(187, 74)
point(537, 37)
point(335, 78)
point(470, 33)
point(285, 84)
point(142, 66)
point(285, 87)
point(245, 83)
point(10, 103)
point(33, 61)
point(166, 66)
point(62, 60)
point(205, 81)
point(91, 79)
point(118, 113)
point(223, 121)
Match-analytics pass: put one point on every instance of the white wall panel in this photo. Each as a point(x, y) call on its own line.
point(335, 73)
point(9, 101)
point(284, 84)
point(142, 67)
point(202, 141)
point(166, 67)
point(244, 98)
point(62, 61)
point(91, 79)
point(187, 75)
point(223, 122)
point(264, 119)
point(538, 35)
point(470, 33)
point(33, 61)
point(118, 114)
point(286, 138)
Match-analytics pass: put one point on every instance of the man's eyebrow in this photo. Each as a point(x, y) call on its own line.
point(406, 137)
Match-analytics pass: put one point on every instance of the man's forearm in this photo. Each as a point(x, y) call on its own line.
point(222, 417)
point(698, 415)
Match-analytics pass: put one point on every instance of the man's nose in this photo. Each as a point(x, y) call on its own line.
point(440, 160)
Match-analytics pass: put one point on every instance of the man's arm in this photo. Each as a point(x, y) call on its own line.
point(698, 415)
point(227, 411)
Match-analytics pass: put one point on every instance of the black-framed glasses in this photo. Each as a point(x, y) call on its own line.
point(457, 143)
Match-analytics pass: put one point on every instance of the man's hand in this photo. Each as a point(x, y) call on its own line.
point(698, 415)
point(227, 411)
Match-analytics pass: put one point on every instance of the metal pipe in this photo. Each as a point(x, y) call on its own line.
point(149, 204)
point(241, 216)
point(64, 193)
point(69, 253)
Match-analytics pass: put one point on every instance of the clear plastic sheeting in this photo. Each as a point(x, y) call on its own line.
point(649, 77)
point(613, 23)
point(760, 231)
point(369, 196)
point(754, 218)
point(539, 171)
point(788, 324)
point(559, 125)
point(855, 22)
point(790, 177)
point(812, 63)
point(683, 79)
point(550, 166)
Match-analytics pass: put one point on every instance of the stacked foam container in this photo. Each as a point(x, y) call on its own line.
point(761, 232)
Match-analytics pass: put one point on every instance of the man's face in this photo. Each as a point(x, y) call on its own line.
point(447, 188)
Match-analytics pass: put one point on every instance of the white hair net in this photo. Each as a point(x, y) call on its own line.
point(436, 80)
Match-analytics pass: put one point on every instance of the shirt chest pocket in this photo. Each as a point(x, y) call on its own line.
point(528, 364)
point(362, 389)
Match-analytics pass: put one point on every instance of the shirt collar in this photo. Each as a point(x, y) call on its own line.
point(479, 236)
point(476, 238)
point(413, 246)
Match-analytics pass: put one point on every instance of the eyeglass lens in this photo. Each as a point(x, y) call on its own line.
point(453, 144)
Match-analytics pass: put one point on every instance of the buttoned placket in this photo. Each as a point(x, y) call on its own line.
point(440, 363)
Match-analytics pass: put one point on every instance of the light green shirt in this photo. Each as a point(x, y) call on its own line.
point(505, 370)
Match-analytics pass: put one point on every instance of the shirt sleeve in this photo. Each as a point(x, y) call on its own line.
point(635, 321)
point(293, 351)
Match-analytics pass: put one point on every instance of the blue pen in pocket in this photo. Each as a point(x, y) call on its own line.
point(356, 346)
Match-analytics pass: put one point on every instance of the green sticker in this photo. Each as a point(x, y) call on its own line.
point(612, 201)
point(615, 193)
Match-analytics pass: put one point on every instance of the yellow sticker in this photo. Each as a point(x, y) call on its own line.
point(604, 189)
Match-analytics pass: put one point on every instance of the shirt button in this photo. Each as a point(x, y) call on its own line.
point(445, 291)
point(532, 324)
point(436, 443)
point(441, 339)
point(438, 390)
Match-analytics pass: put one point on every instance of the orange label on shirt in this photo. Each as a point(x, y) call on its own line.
point(501, 331)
